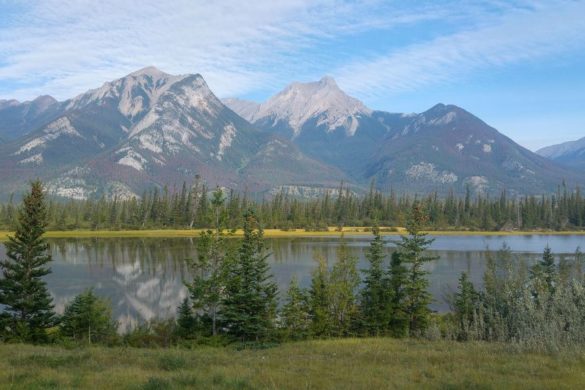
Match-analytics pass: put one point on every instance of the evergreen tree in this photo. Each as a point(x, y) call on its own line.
point(186, 321)
point(466, 303)
point(88, 318)
point(295, 315)
point(207, 288)
point(320, 299)
point(250, 303)
point(397, 279)
point(375, 298)
point(344, 282)
point(412, 252)
point(28, 308)
point(546, 268)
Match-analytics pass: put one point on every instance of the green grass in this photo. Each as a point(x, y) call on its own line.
point(333, 364)
point(276, 233)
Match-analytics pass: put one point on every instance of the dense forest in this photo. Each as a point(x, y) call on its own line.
point(190, 207)
point(232, 297)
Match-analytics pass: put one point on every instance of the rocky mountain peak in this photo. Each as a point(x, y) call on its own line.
point(151, 71)
point(322, 101)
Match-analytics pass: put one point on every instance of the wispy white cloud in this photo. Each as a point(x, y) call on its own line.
point(526, 32)
point(65, 47)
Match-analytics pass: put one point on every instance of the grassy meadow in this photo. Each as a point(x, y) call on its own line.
point(278, 233)
point(332, 364)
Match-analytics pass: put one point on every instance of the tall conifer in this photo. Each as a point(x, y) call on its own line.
point(28, 306)
point(249, 307)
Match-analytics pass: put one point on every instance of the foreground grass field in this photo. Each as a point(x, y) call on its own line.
point(277, 233)
point(334, 364)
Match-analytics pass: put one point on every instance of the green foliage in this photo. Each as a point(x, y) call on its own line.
point(88, 318)
point(152, 334)
point(333, 302)
point(544, 275)
point(320, 300)
point(397, 281)
point(295, 313)
point(466, 305)
point(191, 206)
point(28, 308)
point(375, 295)
point(507, 310)
point(411, 250)
point(186, 322)
point(208, 287)
point(249, 305)
point(344, 282)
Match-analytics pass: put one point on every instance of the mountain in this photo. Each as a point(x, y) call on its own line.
point(245, 108)
point(448, 148)
point(18, 119)
point(442, 149)
point(152, 128)
point(323, 121)
point(293, 108)
point(570, 153)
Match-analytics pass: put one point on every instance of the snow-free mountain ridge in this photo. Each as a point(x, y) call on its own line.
point(153, 129)
point(442, 149)
point(570, 153)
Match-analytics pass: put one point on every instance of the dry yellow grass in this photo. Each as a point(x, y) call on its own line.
point(277, 233)
point(332, 364)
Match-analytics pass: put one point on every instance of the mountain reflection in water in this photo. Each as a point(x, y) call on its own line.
point(144, 277)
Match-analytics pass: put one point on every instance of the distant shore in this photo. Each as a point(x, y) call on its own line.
point(292, 233)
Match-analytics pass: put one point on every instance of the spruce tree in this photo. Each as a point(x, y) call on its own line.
point(375, 298)
point(186, 321)
point(544, 276)
point(207, 288)
point(249, 305)
point(344, 283)
point(296, 319)
point(547, 268)
point(28, 308)
point(397, 279)
point(466, 303)
point(320, 299)
point(88, 318)
point(412, 252)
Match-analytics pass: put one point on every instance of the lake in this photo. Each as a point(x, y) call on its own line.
point(143, 277)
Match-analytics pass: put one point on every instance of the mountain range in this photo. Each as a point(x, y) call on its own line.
point(571, 154)
point(151, 128)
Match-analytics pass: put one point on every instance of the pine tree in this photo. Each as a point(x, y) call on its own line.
point(250, 303)
point(295, 315)
point(411, 249)
point(28, 308)
point(375, 298)
point(88, 318)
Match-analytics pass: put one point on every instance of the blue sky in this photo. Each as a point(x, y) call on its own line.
point(518, 65)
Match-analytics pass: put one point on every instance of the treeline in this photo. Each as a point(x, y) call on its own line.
point(233, 298)
point(190, 207)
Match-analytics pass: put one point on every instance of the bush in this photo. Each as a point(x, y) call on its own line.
point(155, 333)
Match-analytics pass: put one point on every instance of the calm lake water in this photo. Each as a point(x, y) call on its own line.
point(143, 277)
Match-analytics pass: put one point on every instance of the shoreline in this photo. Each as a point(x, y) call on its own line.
point(277, 233)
